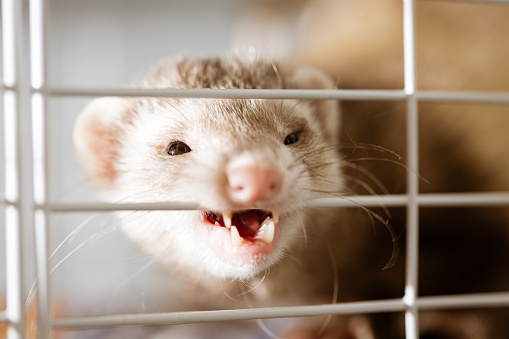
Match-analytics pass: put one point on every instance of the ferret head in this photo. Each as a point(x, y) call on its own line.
point(252, 164)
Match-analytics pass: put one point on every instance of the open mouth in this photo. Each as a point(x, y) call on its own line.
point(247, 226)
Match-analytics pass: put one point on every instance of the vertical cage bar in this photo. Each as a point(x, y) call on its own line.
point(12, 69)
point(40, 157)
point(412, 262)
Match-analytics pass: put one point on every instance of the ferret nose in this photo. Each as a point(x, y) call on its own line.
point(253, 183)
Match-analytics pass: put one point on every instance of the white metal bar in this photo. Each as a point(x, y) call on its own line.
point(464, 301)
point(483, 199)
point(340, 94)
point(412, 211)
point(38, 19)
point(464, 96)
point(487, 300)
point(104, 207)
point(12, 35)
point(506, 2)
point(391, 305)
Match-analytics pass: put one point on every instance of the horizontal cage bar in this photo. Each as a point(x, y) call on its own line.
point(336, 94)
point(393, 305)
point(488, 300)
point(424, 200)
point(339, 94)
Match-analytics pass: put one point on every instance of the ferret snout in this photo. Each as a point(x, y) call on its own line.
point(253, 183)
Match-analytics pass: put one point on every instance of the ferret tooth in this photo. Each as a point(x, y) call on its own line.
point(227, 218)
point(217, 224)
point(266, 221)
point(275, 217)
point(236, 238)
point(268, 236)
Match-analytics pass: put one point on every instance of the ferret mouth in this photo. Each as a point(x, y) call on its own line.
point(246, 226)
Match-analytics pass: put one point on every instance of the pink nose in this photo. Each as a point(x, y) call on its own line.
point(253, 183)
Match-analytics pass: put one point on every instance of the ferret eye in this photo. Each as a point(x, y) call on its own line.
point(291, 138)
point(177, 147)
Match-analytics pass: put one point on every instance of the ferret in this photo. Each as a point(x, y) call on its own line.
point(254, 165)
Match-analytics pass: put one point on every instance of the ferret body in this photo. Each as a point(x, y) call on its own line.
point(252, 165)
point(255, 161)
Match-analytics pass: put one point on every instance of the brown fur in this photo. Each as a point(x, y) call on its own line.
point(462, 147)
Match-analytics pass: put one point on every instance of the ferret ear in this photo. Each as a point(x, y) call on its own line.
point(327, 110)
point(97, 133)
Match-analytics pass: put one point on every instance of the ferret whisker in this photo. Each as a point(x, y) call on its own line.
point(104, 231)
point(259, 322)
point(252, 288)
point(392, 162)
point(281, 107)
point(167, 101)
point(226, 294)
point(146, 195)
point(110, 227)
point(368, 174)
point(289, 256)
point(306, 155)
point(319, 178)
point(290, 109)
point(134, 275)
point(335, 291)
point(373, 215)
point(68, 239)
point(276, 71)
point(314, 167)
point(244, 284)
point(368, 189)
point(320, 181)
point(266, 330)
point(372, 147)
point(363, 184)
point(304, 230)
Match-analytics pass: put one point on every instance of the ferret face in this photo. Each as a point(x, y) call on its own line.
point(252, 164)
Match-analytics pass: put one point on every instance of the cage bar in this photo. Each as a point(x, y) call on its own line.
point(486, 199)
point(174, 318)
point(338, 94)
point(464, 96)
point(14, 188)
point(476, 1)
point(390, 305)
point(412, 137)
point(38, 18)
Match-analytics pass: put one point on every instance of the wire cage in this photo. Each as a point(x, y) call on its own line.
point(28, 200)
